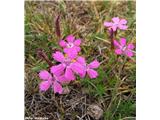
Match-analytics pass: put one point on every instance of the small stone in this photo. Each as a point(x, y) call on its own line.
point(95, 111)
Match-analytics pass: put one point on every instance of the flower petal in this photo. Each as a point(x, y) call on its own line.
point(58, 56)
point(129, 53)
point(114, 28)
point(77, 67)
point(70, 38)
point(66, 50)
point(122, 27)
point(81, 60)
point(71, 52)
point(92, 73)
point(116, 43)
point(62, 43)
point(116, 19)
point(77, 42)
point(83, 74)
point(130, 46)
point(123, 21)
point(108, 24)
point(78, 49)
point(118, 51)
point(69, 75)
point(44, 86)
point(62, 79)
point(57, 87)
point(44, 75)
point(58, 69)
point(94, 64)
point(123, 42)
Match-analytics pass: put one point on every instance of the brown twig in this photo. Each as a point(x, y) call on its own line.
point(57, 27)
point(111, 38)
point(43, 55)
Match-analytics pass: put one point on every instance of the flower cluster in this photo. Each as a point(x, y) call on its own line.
point(120, 46)
point(70, 65)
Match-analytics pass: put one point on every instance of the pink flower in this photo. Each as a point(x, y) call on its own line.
point(122, 48)
point(88, 68)
point(68, 66)
point(117, 23)
point(71, 46)
point(51, 81)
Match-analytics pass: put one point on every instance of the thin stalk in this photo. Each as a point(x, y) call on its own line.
point(57, 27)
point(123, 65)
point(111, 38)
point(43, 55)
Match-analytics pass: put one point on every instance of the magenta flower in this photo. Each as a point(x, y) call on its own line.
point(88, 68)
point(68, 66)
point(51, 81)
point(117, 23)
point(71, 46)
point(122, 48)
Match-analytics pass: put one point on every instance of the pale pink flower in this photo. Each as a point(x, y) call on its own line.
point(117, 23)
point(122, 48)
point(68, 66)
point(88, 68)
point(51, 81)
point(71, 45)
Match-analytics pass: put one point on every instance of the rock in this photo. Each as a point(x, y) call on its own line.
point(95, 111)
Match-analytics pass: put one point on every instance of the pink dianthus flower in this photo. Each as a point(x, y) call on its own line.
point(51, 81)
point(117, 23)
point(71, 45)
point(122, 48)
point(68, 66)
point(88, 68)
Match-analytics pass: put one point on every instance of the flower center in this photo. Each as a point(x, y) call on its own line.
point(67, 61)
point(55, 79)
point(70, 45)
point(124, 48)
point(87, 68)
point(116, 24)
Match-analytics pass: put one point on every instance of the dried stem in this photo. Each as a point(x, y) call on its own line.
point(43, 55)
point(57, 27)
point(111, 38)
point(122, 66)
